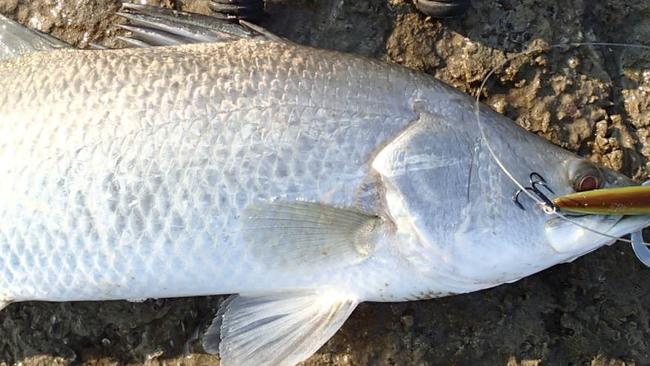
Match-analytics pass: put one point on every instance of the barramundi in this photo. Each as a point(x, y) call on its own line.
point(215, 158)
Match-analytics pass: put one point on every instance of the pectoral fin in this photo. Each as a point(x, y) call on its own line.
point(276, 329)
point(298, 234)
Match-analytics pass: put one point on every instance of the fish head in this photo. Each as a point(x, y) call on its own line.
point(564, 172)
point(445, 188)
point(571, 233)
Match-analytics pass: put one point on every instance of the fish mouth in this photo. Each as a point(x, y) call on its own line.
point(577, 235)
point(605, 215)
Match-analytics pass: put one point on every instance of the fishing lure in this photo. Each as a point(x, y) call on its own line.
point(634, 200)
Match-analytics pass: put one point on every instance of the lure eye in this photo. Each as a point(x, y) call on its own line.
point(587, 183)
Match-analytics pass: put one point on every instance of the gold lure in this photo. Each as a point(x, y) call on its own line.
point(632, 200)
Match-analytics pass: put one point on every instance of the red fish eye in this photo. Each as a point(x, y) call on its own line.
point(587, 183)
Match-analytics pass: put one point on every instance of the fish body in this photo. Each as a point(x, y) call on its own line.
point(126, 171)
point(304, 180)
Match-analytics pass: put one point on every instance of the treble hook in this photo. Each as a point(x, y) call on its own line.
point(536, 180)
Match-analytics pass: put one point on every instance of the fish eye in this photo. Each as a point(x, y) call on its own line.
point(585, 176)
point(587, 183)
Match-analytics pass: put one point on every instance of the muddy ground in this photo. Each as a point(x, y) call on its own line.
point(591, 100)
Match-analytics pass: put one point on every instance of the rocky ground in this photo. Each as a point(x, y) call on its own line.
point(592, 100)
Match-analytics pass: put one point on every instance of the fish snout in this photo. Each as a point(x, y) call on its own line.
point(605, 215)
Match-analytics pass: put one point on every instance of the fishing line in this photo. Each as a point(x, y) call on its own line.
point(637, 238)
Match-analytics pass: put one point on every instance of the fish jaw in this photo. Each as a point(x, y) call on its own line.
point(574, 236)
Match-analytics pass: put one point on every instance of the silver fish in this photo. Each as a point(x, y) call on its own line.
point(303, 181)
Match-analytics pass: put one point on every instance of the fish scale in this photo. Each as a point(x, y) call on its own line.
point(141, 198)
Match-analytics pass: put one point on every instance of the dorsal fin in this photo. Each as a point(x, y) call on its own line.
point(17, 40)
point(155, 26)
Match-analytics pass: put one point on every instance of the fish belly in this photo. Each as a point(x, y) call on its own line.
point(124, 172)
